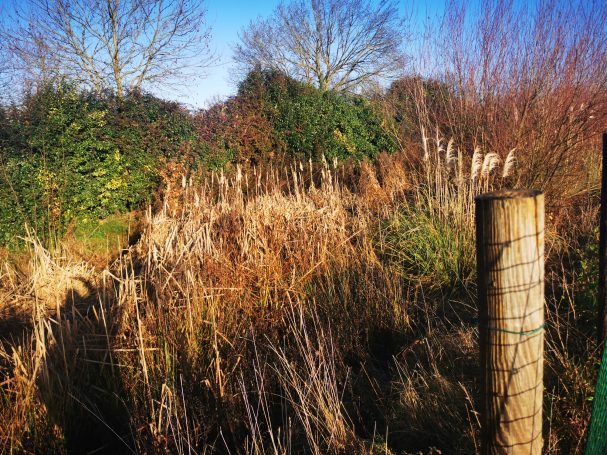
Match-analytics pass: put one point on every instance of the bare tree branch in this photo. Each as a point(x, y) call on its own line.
point(335, 44)
point(117, 44)
point(526, 75)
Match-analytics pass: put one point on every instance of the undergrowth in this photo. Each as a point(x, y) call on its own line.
point(307, 309)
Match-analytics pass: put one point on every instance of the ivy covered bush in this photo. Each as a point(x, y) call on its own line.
point(276, 118)
point(68, 156)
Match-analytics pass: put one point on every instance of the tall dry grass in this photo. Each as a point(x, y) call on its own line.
point(504, 74)
point(312, 309)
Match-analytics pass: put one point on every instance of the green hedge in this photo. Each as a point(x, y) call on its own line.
point(275, 118)
point(69, 155)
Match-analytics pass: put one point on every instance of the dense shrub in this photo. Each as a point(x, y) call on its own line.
point(275, 118)
point(236, 129)
point(67, 155)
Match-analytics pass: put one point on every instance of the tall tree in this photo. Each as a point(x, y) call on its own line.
point(335, 44)
point(117, 44)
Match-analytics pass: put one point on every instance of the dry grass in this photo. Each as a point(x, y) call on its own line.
point(275, 311)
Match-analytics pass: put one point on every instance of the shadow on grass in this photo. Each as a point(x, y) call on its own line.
point(400, 358)
point(79, 383)
point(411, 357)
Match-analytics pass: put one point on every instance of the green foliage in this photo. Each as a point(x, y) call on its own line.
point(235, 130)
point(73, 156)
point(22, 200)
point(582, 259)
point(67, 155)
point(430, 244)
point(312, 123)
point(274, 117)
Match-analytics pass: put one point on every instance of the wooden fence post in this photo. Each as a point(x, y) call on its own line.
point(602, 316)
point(510, 262)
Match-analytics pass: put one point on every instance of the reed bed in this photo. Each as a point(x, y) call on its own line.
point(308, 309)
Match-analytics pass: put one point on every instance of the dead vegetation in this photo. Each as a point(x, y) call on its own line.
point(282, 311)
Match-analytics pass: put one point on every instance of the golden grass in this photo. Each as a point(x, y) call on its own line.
point(260, 313)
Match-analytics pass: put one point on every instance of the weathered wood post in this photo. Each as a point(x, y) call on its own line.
point(510, 262)
point(602, 316)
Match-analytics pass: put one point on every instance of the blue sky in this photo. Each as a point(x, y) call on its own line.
point(228, 17)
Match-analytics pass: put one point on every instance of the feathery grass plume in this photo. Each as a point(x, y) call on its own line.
point(491, 162)
point(325, 165)
point(451, 158)
point(477, 164)
point(425, 144)
point(509, 164)
point(439, 144)
point(311, 172)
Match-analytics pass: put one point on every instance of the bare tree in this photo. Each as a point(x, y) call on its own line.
point(117, 44)
point(335, 44)
point(524, 75)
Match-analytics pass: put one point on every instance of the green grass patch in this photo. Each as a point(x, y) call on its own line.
point(104, 237)
point(437, 251)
